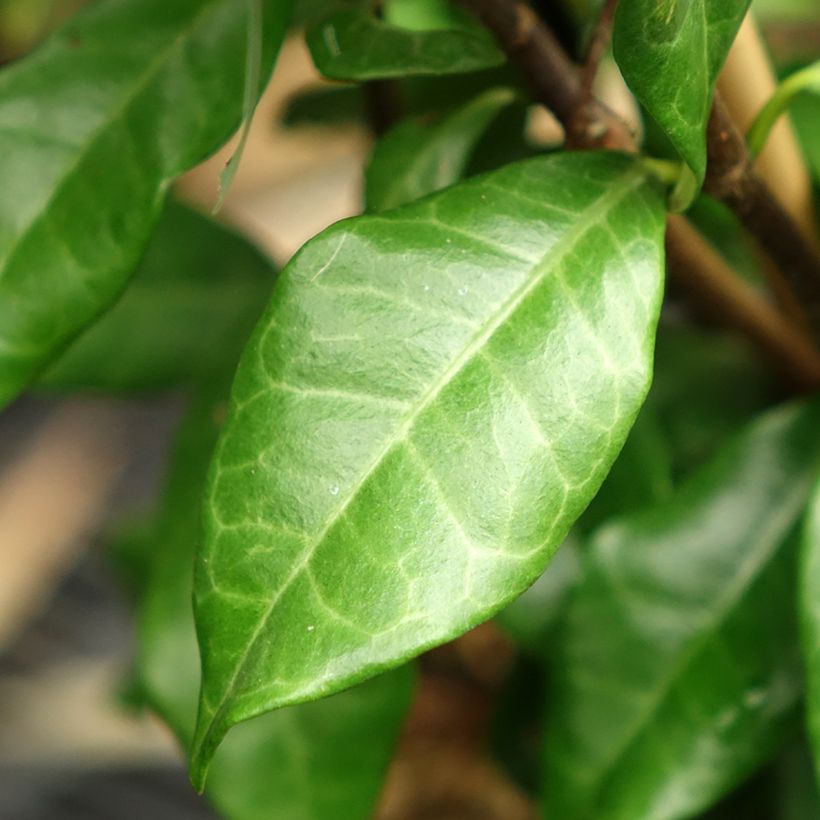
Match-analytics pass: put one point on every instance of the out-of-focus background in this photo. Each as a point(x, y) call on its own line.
point(70, 744)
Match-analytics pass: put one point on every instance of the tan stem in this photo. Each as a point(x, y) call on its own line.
point(697, 268)
point(746, 83)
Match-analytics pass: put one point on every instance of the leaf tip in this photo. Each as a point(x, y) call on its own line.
point(207, 737)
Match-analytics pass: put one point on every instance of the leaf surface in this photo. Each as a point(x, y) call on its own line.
point(287, 764)
point(670, 53)
point(677, 672)
point(413, 160)
point(185, 315)
point(430, 400)
point(353, 44)
point(93, 126)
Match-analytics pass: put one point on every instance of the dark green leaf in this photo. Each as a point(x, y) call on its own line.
point(185, 316)
point(355, 45)
point(297, 763)
point(677, 673)
point(796, 789)
point(708, 385)
point(93, 126)
point(431, 399)
point(333, 105)
point(641, 477)
point(810, 620)
point(670, 53)
point(413, 160)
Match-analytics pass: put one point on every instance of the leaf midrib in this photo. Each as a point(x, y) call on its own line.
point(152, 68)
point(617, 190)
point(732, 597)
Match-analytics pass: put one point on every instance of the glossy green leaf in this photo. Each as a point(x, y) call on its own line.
point(353, 44)
point(677, 671)
point(430, 400)
point(413, 160)
point(284, 765)
point(93, 126)
point(185, 316)
point(670, 53)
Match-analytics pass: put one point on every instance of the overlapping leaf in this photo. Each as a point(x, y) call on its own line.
point(431, 399)
point(93, 126)
point(287, 764)
point(706, 386)
point(353, 44)
point(677, 671)
point(186, 314)
point(413, 160)
point(670, 53)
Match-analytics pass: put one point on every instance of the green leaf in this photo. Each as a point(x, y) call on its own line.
point(810, 620)
point(286, 764)
point(531, 618)
point(806, 80)
point(250, 96)
point(641, 477)
point(795, 784)
point(707, 386)
point(678, 673)
point(413, 160)
point(185, 316)
point(805, 115)
point(670, 53)
point(326, 106)
point(93, 127)
point(422, 15)
point(354, 45)
point(430, 400)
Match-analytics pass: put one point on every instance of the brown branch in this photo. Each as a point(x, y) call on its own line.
point(598, 44)
point(725, 297)
point(731, 178)
point(556, 82)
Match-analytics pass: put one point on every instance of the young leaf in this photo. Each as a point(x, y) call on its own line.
point(676, 675)
point(286, 764)
point(93, 126)
point(430, 400)
point(185, 316)
point(805, 115)
point(807, 80)
point(353, 44)
point(412, 160)
point(670, 53)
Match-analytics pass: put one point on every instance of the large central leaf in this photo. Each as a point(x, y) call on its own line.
point(432, 398)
